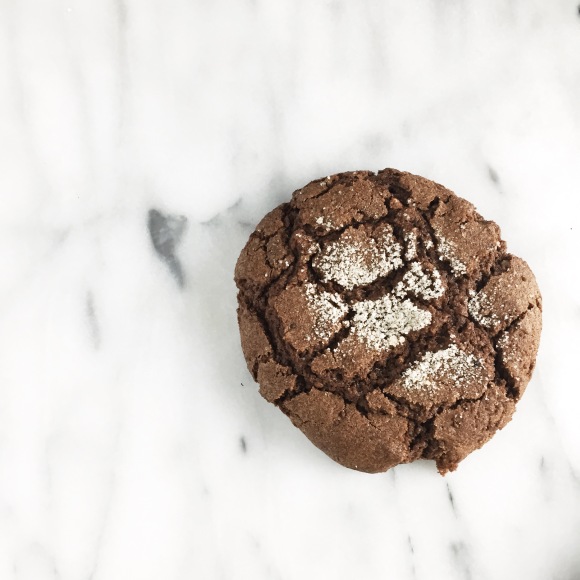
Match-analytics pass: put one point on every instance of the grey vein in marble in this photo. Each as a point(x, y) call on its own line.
point(166, 231)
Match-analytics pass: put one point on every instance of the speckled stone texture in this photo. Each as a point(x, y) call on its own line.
point(383, 315)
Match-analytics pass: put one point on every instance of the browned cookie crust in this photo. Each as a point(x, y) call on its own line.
point(383, 315)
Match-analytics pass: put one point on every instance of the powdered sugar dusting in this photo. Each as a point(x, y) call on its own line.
point(477, 305)
point(326, 308)
point(306, 244)
point(383, 323)
point(421, 283)
point(351, 262)
point(504, 345)
point(510, 355)
point(447, 251)
point(411, 242)
point(327, 223)
point(451, 365)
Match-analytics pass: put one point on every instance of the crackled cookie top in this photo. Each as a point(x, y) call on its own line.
point(384, 316)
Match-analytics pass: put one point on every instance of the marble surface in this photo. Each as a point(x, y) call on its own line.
point(140, 142)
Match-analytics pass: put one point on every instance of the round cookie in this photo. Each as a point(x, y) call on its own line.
point(383, 315)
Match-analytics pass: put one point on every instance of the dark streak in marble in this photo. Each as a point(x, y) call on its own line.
point(92, 320)
point(166, 231)
point(543, 465)
point(243, 445)
point(578, 9)
point(493, 175)
point(451, 500)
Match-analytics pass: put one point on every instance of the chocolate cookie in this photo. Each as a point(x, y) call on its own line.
point(383, 315)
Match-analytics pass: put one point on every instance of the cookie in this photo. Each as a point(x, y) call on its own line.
point(384, 316)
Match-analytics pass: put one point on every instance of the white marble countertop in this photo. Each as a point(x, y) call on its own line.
point(133, 442)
